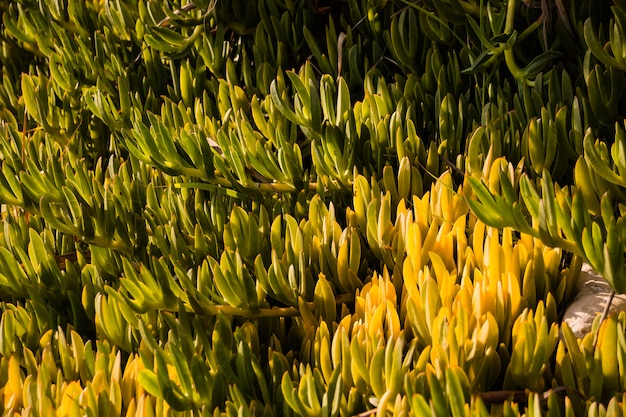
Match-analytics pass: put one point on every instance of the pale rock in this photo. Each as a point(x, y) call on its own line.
point(593, 293)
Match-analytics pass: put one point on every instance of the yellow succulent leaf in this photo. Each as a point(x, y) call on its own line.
point(607, 349)
point(376, 372)
point(413, 242)
point(430, 243)
point(393, 320)
point(439, 359)
point(430, 299)
point(460, 240)
point(131, 409)
point(478, 241)
point(477, 294)
point(376, 324)
point(145, 407)
point(417, 318)
point(130, 388)
point(513, 289)
point(409, 276)
point(13, 387)
point(439, 327)
point(421, 208)
point(494, 261)
point(69, 405)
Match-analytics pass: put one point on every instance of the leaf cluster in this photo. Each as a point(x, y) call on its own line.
point(300, 208)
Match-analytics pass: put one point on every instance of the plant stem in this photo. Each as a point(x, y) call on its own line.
point(212, 310)
point(509, 57)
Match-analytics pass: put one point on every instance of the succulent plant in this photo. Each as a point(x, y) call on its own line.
point(308, 208)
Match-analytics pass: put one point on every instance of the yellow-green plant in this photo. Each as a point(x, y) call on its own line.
point(300, 208)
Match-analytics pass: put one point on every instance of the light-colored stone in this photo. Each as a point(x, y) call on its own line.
point(593, 293)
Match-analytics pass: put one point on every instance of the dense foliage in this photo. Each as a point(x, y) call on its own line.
point(298, 207)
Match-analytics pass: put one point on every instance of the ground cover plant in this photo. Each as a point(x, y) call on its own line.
point(299, 207)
